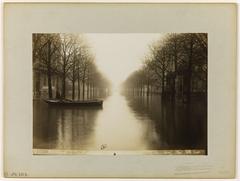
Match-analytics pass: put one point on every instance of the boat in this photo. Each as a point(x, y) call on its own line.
point(67, 102)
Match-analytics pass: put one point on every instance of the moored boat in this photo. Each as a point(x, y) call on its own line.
point(67, 102)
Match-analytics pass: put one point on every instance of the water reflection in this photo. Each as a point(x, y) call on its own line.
point(124, 123)
point(118, 128)
point(61, 127)
point(171, 125)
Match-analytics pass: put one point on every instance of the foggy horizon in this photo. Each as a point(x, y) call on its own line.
point(120, 54)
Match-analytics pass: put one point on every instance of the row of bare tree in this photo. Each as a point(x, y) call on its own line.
point(173, 56)
point(68, 58)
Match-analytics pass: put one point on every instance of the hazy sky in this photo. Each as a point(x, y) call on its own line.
point(118, 55)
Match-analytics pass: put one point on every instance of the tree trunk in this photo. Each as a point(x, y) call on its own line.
point(64, 77)
point(49, 85)
point(163, 89)
point(175, 69)
point(148, 87)
point(91, 90)
point(88, 89)
point(84, 84)
point(49, 71)
point(73, 89)
point(57, 89)
point(189, 72)
point(37, 84)
point(73, 78)
point(79, 90)
point(88, 80)
point(83, 90)
point(63, 85)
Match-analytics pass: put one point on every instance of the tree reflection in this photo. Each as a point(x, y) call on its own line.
point(175, 125)
point(62, 127)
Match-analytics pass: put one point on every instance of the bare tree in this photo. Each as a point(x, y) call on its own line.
point(66, 56)
point(73, 72)
point(67, 50)
point(148, 73)
point(159, 63)
point(86, 61)
point(181, 57)
point(46, 48)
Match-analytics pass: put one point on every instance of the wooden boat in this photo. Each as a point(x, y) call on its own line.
point(67, 102)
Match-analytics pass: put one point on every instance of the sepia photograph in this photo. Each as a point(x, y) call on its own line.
point(120, 92)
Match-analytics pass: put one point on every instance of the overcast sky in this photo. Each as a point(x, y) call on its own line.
point(118, 55)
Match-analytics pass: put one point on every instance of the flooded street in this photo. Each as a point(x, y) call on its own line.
point(125, 122)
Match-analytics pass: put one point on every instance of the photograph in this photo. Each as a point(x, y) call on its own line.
point(120, 92)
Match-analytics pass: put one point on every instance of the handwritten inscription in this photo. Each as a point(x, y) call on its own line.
point(103, 146)
point(15, 174)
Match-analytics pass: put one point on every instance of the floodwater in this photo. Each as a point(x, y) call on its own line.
point(125, 122)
